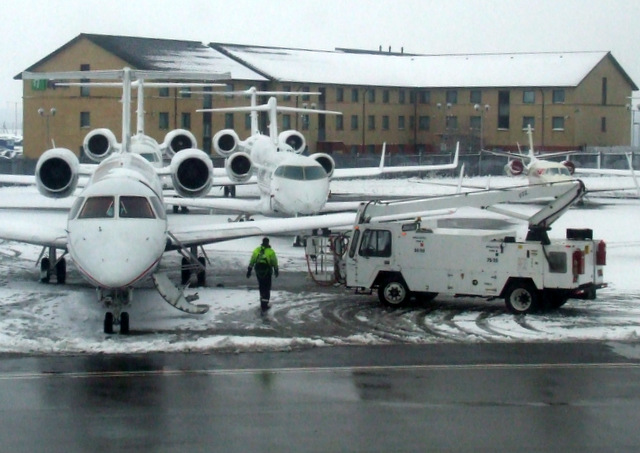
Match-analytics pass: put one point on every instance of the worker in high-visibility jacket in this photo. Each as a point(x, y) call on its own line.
point(265, 262)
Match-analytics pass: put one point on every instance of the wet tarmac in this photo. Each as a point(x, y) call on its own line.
point(444, 397)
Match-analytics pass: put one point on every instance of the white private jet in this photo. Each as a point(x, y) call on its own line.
point(290, 183)
point(117, 229)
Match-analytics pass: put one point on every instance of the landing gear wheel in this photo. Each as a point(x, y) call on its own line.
point(185, 274)
point(522, 298)
point(176, 209)
point(108, 322)
point(393, 292)
point(202, 274)
point(45, 270)
point(61, 271)
point(124, 323)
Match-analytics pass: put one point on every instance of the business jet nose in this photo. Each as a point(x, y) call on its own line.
point(294, 197)
point(113, 255)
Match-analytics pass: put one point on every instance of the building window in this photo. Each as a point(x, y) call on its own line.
point(371, 94)
point(354, 95)
point(557, 123)
point(452, 122)
point(385, 122)
point(401, 122)
point(305, 97)
point(163, 120)
point(85, 91)
point(371, 122)
point(475, 123)
point(286, 88)
point(475, 97)
point(354, 122)
point(185, 120)
point(185, 92)
point(229, 88)
point(163, 92)
point(385, 96)
point(247, 121)
point(306, 119)
point(424, 123)
point(286, 121)
point(503, 109)
point(425, 97)
point(528, 97)
point(85, 119)
point(603, 124)
point(412, 96)
point(339, 123)
point(604, 91)
point(228, 120)
point(528, 121)
point(558, 96)
point(401, 96)
point(452, 96)
point(339, 94)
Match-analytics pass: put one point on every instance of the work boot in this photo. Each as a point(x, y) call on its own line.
point(264, 304)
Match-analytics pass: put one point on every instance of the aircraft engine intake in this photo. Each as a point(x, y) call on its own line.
point(191, 173)
point(292, 139)
point(99, 143)
point(225, 142)
point(570, 166)
point(57, 173)
point(239, 167)
point(514, 168)
point(178, 140)
point(326, 161)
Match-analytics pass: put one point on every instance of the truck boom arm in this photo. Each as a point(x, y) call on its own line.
point(563, 195)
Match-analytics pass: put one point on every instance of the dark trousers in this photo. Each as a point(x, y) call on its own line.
point(264, 282)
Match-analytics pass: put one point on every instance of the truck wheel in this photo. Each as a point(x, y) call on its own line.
point(393, 292)
point(554, 300)
point(521, 298)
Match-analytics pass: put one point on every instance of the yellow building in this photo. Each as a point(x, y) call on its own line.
point(414, 103)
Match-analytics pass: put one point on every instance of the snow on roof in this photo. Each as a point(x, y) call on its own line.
point(381, 69)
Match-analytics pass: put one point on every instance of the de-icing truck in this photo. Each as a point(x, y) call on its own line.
point(406, 258)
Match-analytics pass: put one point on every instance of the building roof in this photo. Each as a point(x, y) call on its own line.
point(163, 54)
point(345, 67)
point(352, 67)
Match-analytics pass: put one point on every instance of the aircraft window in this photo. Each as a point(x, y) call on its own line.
point(159, 207)
point(291, 172)
point(311, 173)
point(136, 208)
point(151, 157)
point(75, 208)
point(97, 208)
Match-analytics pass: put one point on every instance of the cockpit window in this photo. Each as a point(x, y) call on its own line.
point(135, 208)
point(76, 207)
point(97, 208)
point(311, 173)
point(300, 173)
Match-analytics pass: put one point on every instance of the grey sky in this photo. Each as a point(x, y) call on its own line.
point(35, 28)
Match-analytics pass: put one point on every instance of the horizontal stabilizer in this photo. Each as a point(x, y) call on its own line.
point(175, 297)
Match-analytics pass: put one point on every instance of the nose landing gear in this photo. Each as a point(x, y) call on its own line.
point(115, 301)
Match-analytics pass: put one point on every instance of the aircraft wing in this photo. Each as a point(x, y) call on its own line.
point(34, 227)
point(239, 205)
point(345, 173)
point(18, 180)
point(218, 232)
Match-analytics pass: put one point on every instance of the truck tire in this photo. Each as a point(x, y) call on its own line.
point(393, 292)
point(522, 297)
point(554, 299)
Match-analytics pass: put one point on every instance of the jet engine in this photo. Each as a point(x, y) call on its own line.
point(238, 167)
point(225, 142)
point(191, 173)
point(57, 173)
point(99, 143)
point(570, 166)
point(178, 140)
point(514, 168)
point(326, 161)
point(293, 139)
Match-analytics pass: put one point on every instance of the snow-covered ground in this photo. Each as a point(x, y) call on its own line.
point(39, 318)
